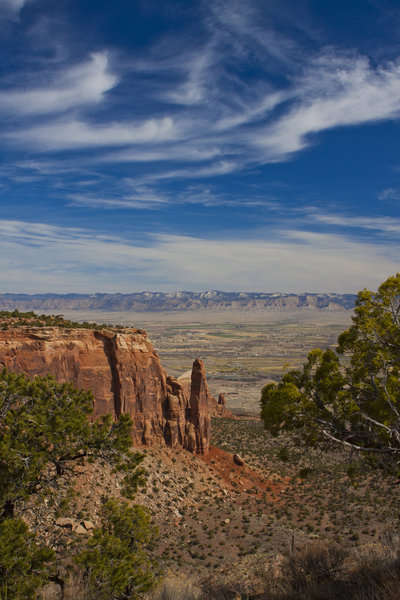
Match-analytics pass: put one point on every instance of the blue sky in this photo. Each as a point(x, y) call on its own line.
point(169, 145)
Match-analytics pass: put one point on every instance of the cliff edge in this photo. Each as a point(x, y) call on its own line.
point(124, 373)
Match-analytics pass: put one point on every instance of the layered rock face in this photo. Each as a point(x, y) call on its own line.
point(125, 375)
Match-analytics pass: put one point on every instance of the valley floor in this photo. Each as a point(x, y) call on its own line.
point(241, 350)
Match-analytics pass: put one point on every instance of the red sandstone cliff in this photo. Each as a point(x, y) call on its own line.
point(125, 375)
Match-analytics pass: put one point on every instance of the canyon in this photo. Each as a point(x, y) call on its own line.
point(217, 519)
point(124, 373)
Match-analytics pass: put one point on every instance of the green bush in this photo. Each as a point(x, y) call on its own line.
point(350, 396)
point(23, 564)
point(44, 427)
point(115, 561)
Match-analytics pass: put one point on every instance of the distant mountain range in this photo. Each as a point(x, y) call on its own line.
point(177, 301)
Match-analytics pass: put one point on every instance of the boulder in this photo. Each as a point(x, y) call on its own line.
point(238, 460)
point(79, 529)
point(65, 522)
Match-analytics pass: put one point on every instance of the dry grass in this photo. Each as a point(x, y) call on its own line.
point(317, 571)
point(321, 572)
point(327, 495)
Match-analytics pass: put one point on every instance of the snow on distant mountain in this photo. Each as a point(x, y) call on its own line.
point(178, 301)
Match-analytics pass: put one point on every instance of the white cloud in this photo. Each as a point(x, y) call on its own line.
point(243, 25)
point(296, 261)
point(204, 106)
point(81, 84)
point(12, 4)
point(389, 194)
point(142, 197)
point(10, 8)
point(222, 167)
point(179, 152)
point(74, 134)
point(195, 87)
point(251, 113)
point(255, 127)
point(387, 225)
point(336, 91)
point(39, 257)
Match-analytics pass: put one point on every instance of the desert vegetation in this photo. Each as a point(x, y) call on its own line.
point(15, 318)
point(349, 396)
point(44, 430)
point(317, 571)
point(298, 515)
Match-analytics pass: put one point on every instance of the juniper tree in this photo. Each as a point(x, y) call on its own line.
point(117, 565)
point(44, 428)
point(350, 396)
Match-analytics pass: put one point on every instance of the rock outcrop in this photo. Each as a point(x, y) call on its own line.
point(125, 375)
point(216, 408)
point(219, 407)
point(199, 407)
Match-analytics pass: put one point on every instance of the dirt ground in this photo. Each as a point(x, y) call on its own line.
point(213, 514)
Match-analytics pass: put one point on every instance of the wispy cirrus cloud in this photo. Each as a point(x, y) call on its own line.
point(70, 134)
point(140, 197)
point(243, 25)
point(77, 85)
point(130, 195)
point(15, 5)
point(220, 167)
point(389, 194)
point(177, 152)
point(257, 127)
point(336, 91)
point(383, 225)
point(10, 8)
point(195, 87)
point(39, 257)
point(201, 110)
